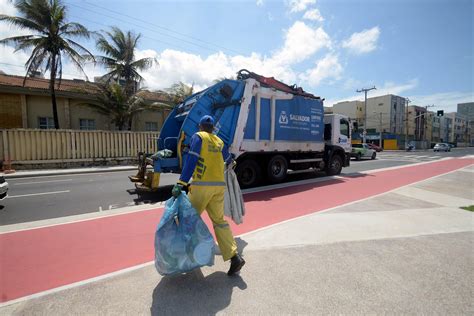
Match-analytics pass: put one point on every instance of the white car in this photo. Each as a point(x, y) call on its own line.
point(3, 188)
point(442, 147)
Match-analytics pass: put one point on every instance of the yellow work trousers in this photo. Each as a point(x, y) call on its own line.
point(211, 199)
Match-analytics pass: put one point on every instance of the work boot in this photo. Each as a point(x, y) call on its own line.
point(236, 263)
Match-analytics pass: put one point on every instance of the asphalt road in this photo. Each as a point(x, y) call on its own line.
point(45, 197)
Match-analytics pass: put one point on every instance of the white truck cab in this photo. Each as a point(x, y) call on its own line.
point(337, 131)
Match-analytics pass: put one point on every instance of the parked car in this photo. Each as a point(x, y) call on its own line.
point(442, 147)
point(3, 188)
point(360, 151)
point(375, 147)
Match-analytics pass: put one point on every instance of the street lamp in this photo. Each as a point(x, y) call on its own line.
point(365, 110)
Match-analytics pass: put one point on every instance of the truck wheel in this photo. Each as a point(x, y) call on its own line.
point(248, 173)
point(277, 169)
point(335, 166)
point(359, 156)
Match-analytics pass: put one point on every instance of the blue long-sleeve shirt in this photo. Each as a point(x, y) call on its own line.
point(190, 162)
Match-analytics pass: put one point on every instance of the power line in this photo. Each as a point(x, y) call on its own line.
point(164, 28)
point(144, 36)
point(144, 27)
point(23, 66)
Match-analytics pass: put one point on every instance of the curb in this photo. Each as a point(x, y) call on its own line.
point(30, 174)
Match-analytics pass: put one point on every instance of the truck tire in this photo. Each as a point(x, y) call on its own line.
point(359, 156)
point(335, 166)
point(277, 169)
point(248, 173)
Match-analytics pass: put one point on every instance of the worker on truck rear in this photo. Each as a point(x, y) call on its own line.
point(205, 163)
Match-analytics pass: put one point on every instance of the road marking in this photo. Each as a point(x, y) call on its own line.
point(23, 183)
point(142, 265)
point(159, 205)
point(35, 194)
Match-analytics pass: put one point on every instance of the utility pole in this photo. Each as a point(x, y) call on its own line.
point(406, 122)
point(425, 123)
point(365, 109)
point(380, 131)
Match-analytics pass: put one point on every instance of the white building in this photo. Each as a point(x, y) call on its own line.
point(384, 113)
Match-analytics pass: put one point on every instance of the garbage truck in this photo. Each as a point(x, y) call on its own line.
point(271, 129)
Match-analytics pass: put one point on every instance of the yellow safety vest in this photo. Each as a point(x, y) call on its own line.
point(210, 166)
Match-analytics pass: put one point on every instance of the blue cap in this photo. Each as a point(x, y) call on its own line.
point(207, 120)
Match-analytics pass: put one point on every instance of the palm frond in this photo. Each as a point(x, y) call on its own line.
point(22, 23)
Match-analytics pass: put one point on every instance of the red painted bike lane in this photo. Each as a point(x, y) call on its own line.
point(40, 259)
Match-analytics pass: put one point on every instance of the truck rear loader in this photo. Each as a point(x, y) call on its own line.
point(270, 128)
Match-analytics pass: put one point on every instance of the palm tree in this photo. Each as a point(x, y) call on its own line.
point(50, 42)
point(180, 91)
point(114, 101)
point(119, 60)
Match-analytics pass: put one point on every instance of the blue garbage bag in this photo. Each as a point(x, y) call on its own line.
point(182, 240)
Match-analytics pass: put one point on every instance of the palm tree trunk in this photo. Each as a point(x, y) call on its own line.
point(53, 92)
point(130, 121)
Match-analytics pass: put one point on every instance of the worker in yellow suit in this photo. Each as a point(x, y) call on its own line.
point(205, 163)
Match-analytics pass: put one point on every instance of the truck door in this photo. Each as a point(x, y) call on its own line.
point(344, 137)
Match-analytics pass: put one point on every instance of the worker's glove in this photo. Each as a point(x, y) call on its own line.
point(177, 190)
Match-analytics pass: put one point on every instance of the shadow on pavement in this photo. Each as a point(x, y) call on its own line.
point(357, 175)
point(161, 194)
point(193, 293)
point(241, 244)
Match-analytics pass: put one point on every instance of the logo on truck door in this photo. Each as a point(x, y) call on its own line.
point(283, 118)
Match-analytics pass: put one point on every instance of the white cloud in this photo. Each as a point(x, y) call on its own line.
point(363, 42)
point(6, 7)
point(443, 101)
point(299, 5)
point(260, 3)
point(301, 42)
point(387, 88)
point(326, 68)
point(313, 15)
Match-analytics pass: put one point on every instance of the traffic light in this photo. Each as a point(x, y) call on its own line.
point(440, 113)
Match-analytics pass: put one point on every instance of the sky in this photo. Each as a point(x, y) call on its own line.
point(420, 49)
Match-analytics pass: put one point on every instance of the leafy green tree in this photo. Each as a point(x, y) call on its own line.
point(51, 40)
point(120, 60)
point(179, 92)
point(114, 102)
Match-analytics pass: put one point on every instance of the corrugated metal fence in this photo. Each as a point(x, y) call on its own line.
point(23, 145)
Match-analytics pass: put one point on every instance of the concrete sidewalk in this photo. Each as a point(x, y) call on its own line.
point(55, 172)
point(408, 251)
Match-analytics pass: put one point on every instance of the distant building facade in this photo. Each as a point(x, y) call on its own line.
point(467, 110)
point(384, 113)
point(27, 104)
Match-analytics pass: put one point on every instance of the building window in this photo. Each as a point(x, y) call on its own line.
point(86, 124)
point(45, 122)
point(151, 126)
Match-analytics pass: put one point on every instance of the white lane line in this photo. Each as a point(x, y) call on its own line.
point(24, 183)
point(35, 194)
